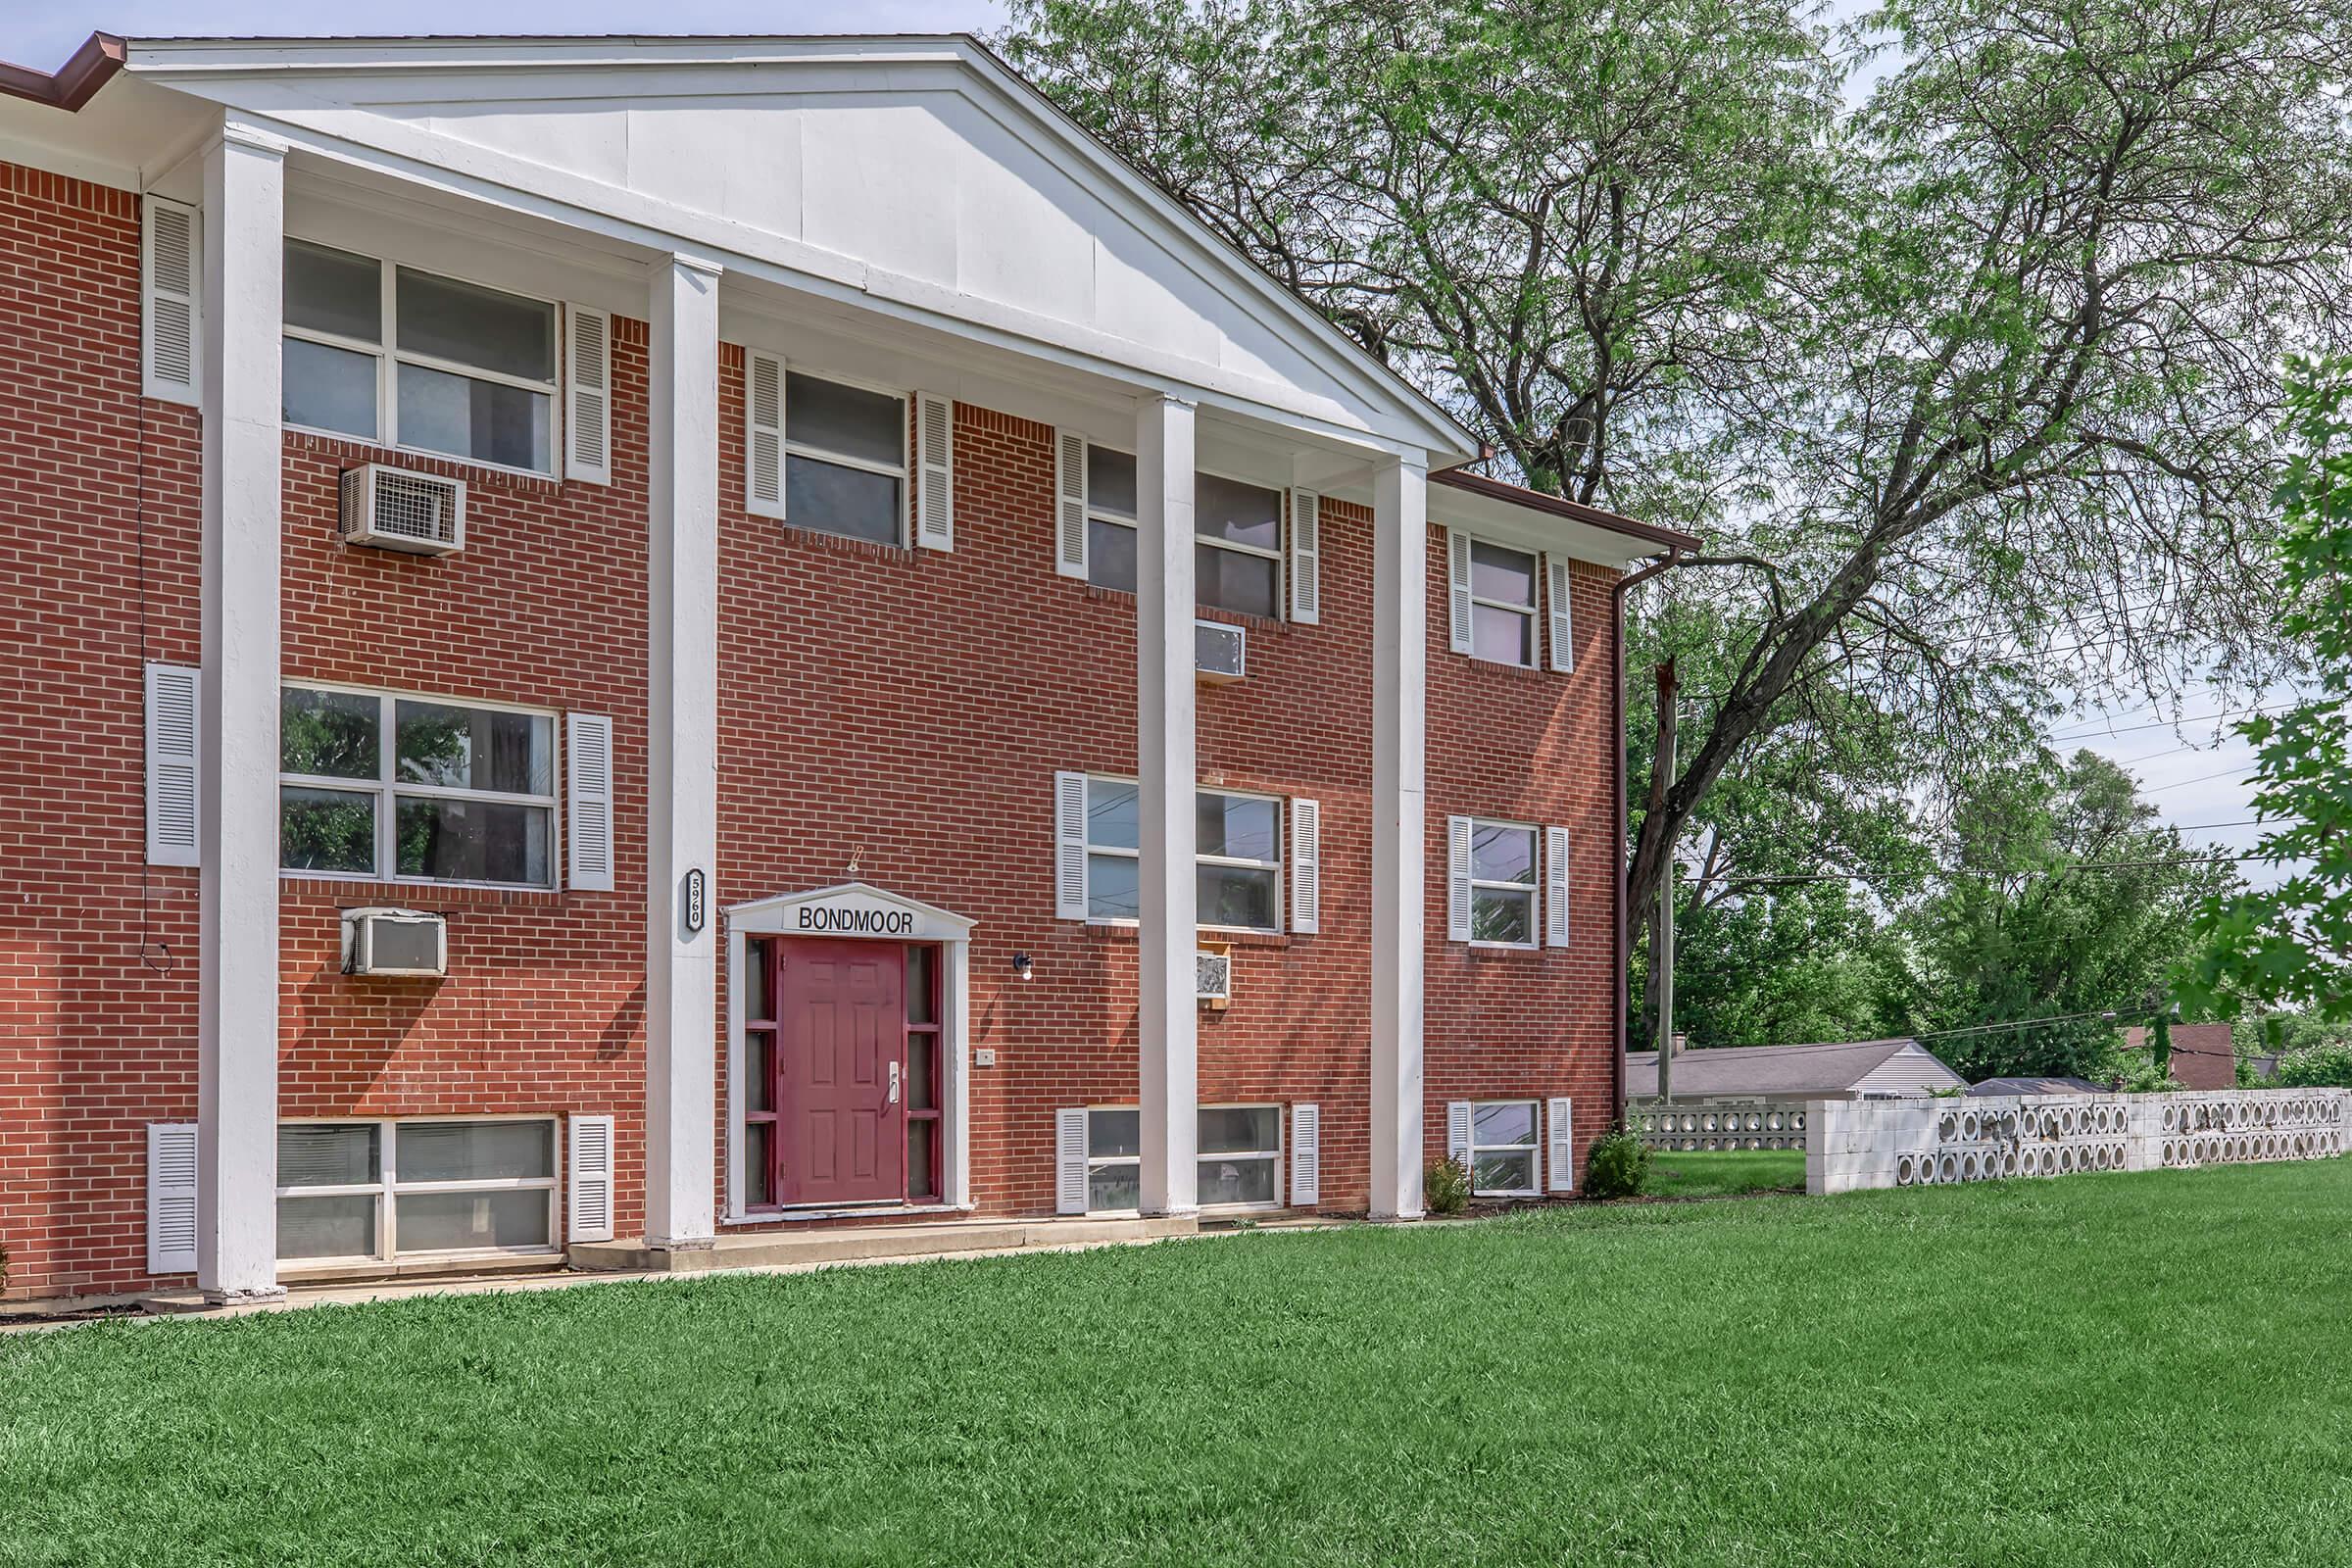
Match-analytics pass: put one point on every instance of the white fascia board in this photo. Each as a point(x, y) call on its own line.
point(1503, 524)
point(260, 79)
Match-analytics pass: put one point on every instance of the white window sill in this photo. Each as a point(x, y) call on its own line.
point(1505, 947)
point(544, 477)
point(296, 874)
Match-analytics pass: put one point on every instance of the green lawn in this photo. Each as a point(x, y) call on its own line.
point(1726, 1172)
point(2103, 1369)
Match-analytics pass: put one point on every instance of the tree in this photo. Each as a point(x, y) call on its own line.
point(2066, 902)
point(1565, 219)
point(2291, 944)
point(1970, 390)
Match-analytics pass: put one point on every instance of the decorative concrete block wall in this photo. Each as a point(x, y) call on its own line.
point(1727, 1122)
point(1925, 1142)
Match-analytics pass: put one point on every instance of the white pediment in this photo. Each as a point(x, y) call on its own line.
point(848, 910)
point(914, 173)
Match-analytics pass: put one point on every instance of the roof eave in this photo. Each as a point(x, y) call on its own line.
point(76, 82)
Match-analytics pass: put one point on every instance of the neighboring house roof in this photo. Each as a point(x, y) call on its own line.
point(1794, 1071)
point(2204, 1056)
point(2036, 1086)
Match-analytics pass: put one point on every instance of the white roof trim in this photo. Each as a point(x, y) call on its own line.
point(778, 915)
point(210, 67)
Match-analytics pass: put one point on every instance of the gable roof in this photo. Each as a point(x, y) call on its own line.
point(1006, 183)
point(1791, 1071)
point(2035, 1086)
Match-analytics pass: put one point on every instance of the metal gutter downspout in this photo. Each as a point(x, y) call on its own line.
point(1625, 862)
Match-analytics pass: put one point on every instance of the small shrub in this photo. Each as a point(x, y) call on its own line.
point(1619, 1164)
point(1446, 1187)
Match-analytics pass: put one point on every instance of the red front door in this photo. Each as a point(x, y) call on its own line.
point(842, 1052)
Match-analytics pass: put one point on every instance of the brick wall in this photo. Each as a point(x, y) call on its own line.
point(99, 500)
point(1525, 745)
point(900, 709)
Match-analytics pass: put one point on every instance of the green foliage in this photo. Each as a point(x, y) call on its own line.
point(1446, 1187)
point(2291, 944)
point(2322, 1066)
point(1618, 1165)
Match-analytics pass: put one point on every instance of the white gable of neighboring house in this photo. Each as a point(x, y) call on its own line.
point(913, 176)
point(1911, 1070)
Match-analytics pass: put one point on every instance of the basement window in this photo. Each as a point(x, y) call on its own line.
point(1239, 1148)
point(1503, 1145)
point(360, 1192)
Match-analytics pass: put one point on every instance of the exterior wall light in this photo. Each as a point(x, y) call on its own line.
point(1024, 967)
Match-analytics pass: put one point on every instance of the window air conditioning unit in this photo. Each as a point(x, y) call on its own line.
point(1212, 983)
point(1220, 652)
point(395, 944)
point(396, 508)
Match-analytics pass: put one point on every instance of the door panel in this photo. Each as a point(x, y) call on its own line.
point(842, 1024)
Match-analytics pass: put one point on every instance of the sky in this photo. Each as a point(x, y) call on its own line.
point(2196, 776)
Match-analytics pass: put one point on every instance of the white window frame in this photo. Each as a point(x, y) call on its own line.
point(1276, 865)
point(1533, 1149)
point(1532, 610)
point(1278, 1156)
point(387, 1187)
point(1282, 530)
point(389, 357)
point(385, 787)
point(841, 460)
point(1533, 889)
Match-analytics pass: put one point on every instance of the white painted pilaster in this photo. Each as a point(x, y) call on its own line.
point(236, 1119)
point(1169, 928)
point(1400, 713)
point(681, 971)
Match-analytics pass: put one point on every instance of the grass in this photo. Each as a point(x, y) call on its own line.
point(2098, 1370)
point(1726, 1172)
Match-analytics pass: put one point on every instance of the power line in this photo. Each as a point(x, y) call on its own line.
point(1945, 872)
point(2170, 723)
point(2238, 773)
point(2016, 1023)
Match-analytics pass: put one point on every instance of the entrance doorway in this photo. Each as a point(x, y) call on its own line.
point(842, 1061)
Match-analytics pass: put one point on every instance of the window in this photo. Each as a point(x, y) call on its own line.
point(1502, 604)
point(1238, 850)
point(410, 790)
point(845, 459)
point(365, 1190)
point(1502, 1148)
point(408, 358)
point(925, 1176)
point(1240, 1149)
point(1237, 562)
point(1503, 884)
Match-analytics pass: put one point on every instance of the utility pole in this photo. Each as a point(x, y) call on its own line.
point(1661, 945)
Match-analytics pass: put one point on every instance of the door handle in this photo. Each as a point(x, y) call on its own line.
point(894, 1085)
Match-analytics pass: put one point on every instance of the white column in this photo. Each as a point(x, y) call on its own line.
point(236, 1138)
point(1400, 712)
point(1169, 928)
point(681, 968)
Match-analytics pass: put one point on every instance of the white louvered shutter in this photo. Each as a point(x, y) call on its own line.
point(1457, 879)
point(1457, 1132)
point(1306, 1156)
point(1562, 1148)
point(170, 1198)
point(762, 434)
point(1070, 504)
point(1457, 589)
point(588, 397)
point(1563, 623)
point(174, 783)
point(590, 1179)
point(1069, 845)
point(1555, 887)
point(1306, 558)
point(935, 463)
point(588, 739)
point(1069, 1162)
point(1306, 865)
point(173, 243)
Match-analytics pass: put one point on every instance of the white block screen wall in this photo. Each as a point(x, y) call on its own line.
point(1855, 1145)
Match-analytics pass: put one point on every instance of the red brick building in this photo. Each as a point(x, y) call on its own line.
point(676, 639)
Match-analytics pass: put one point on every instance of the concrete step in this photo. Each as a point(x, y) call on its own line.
point(852, 1244)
